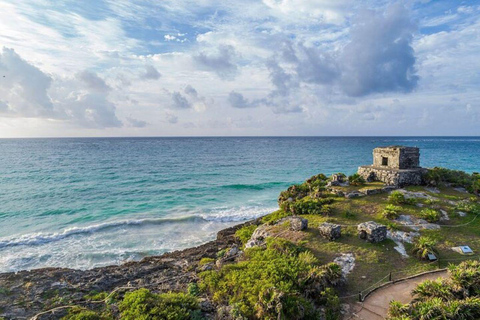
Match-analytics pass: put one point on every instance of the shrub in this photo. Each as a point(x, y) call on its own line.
point(468, 207)
point(245, 233)
point(356, 180)
point(442, 176)
point(79, 313)
point(205, 261)
point(306, 205)
point(431, 215)
point(391, 211)
point(396, 197)
point(193, 289)
point(144, 305)
point(283, 280)
point(221, 253)
point(457, 297)
point(422, 246)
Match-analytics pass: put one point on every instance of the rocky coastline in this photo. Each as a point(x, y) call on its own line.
point(24, 294)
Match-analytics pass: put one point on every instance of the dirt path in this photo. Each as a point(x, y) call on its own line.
point(375, 306)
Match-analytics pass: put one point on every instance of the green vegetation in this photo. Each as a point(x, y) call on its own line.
point(142, 304)
point(245, 233)
point(442, 176)
point(281, 279)
point(78, 313)
point(457, 297)
point(423, 246)
point(396, 197)
point(391, 212)
point(356, 180)
point(306, 205)
point(205, 261)
point(431, 215)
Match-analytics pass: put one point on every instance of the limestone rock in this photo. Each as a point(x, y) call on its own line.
point(330, 231)
point(296, 223)
point(372, 231)
point(258, 237)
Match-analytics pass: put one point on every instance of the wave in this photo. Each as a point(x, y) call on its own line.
point(259, 186)
point(237, 214)
point(42, 238)
point(222, 215)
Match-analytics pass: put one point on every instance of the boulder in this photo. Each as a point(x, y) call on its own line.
point(258, 237)
point(330, 231)
point(372, 231)
point(296, 223)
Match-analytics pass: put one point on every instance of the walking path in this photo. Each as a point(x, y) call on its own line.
point(375, 306)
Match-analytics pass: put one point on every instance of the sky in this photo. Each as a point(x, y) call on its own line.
point(239, 68)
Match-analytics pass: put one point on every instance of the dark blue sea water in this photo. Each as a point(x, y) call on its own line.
point(90, 202)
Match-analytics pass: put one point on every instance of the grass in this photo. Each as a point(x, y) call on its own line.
point(375, 261)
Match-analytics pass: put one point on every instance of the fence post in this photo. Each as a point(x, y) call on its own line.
point(360, 296)
point(390, 276)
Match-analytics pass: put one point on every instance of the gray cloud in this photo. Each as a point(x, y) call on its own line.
point(314, 65)
point(136, 123)
point(220, 62)
point(93, 81)
point(380, 57)
point(179, 101)
point(171, 118)
point(151, 73)
point(237, 100)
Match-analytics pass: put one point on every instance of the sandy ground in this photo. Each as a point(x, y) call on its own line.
point(375, 307)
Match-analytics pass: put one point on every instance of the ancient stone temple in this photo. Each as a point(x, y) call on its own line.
point(394, 165)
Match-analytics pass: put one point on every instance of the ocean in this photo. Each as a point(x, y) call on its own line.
point(89, 202)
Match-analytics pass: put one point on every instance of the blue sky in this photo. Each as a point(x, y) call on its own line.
point(271, 67)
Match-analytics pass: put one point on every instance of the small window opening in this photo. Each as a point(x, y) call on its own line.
point(384, 161)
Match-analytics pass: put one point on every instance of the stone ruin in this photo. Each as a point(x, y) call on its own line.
point(395, 166)
point(372, 231)
point(330, 231)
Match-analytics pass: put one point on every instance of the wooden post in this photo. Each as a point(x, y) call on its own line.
point(360, 296)
point(390, 276)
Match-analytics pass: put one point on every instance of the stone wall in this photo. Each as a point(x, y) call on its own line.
point(398, 157)
point(393, 177)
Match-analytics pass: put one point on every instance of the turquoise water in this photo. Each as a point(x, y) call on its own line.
point(91, 202)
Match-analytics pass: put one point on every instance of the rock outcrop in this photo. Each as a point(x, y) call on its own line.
point(372, 231)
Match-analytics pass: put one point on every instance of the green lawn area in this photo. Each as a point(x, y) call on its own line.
point(375, 261)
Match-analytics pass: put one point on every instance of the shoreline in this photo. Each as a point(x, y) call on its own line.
point(171, 271)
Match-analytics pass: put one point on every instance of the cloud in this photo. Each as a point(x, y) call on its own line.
point(151, 73)
point(179, 101)
point(93, 81)
point(171, 118)
point(237, 100)
point(221, 62)
point(379, 57)
point(136, 123)
point(23, 87)
point(29, 92)
point(316, 65)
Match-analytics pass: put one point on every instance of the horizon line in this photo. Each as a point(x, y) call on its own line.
point(246, 136)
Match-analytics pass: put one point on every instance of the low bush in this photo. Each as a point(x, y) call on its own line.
point(79, 313)
point(391, 211)
point(142, 304)
point(468, 207)
point(356, 180)
point(422, 246)
point(431, 215)
point(397, 197)
point(457, 297)
point(245, 233)
point(456, 178)
point(205, 261)
point(306, 205)
point(282, 281)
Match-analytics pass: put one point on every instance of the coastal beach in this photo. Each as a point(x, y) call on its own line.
point(114, 200)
